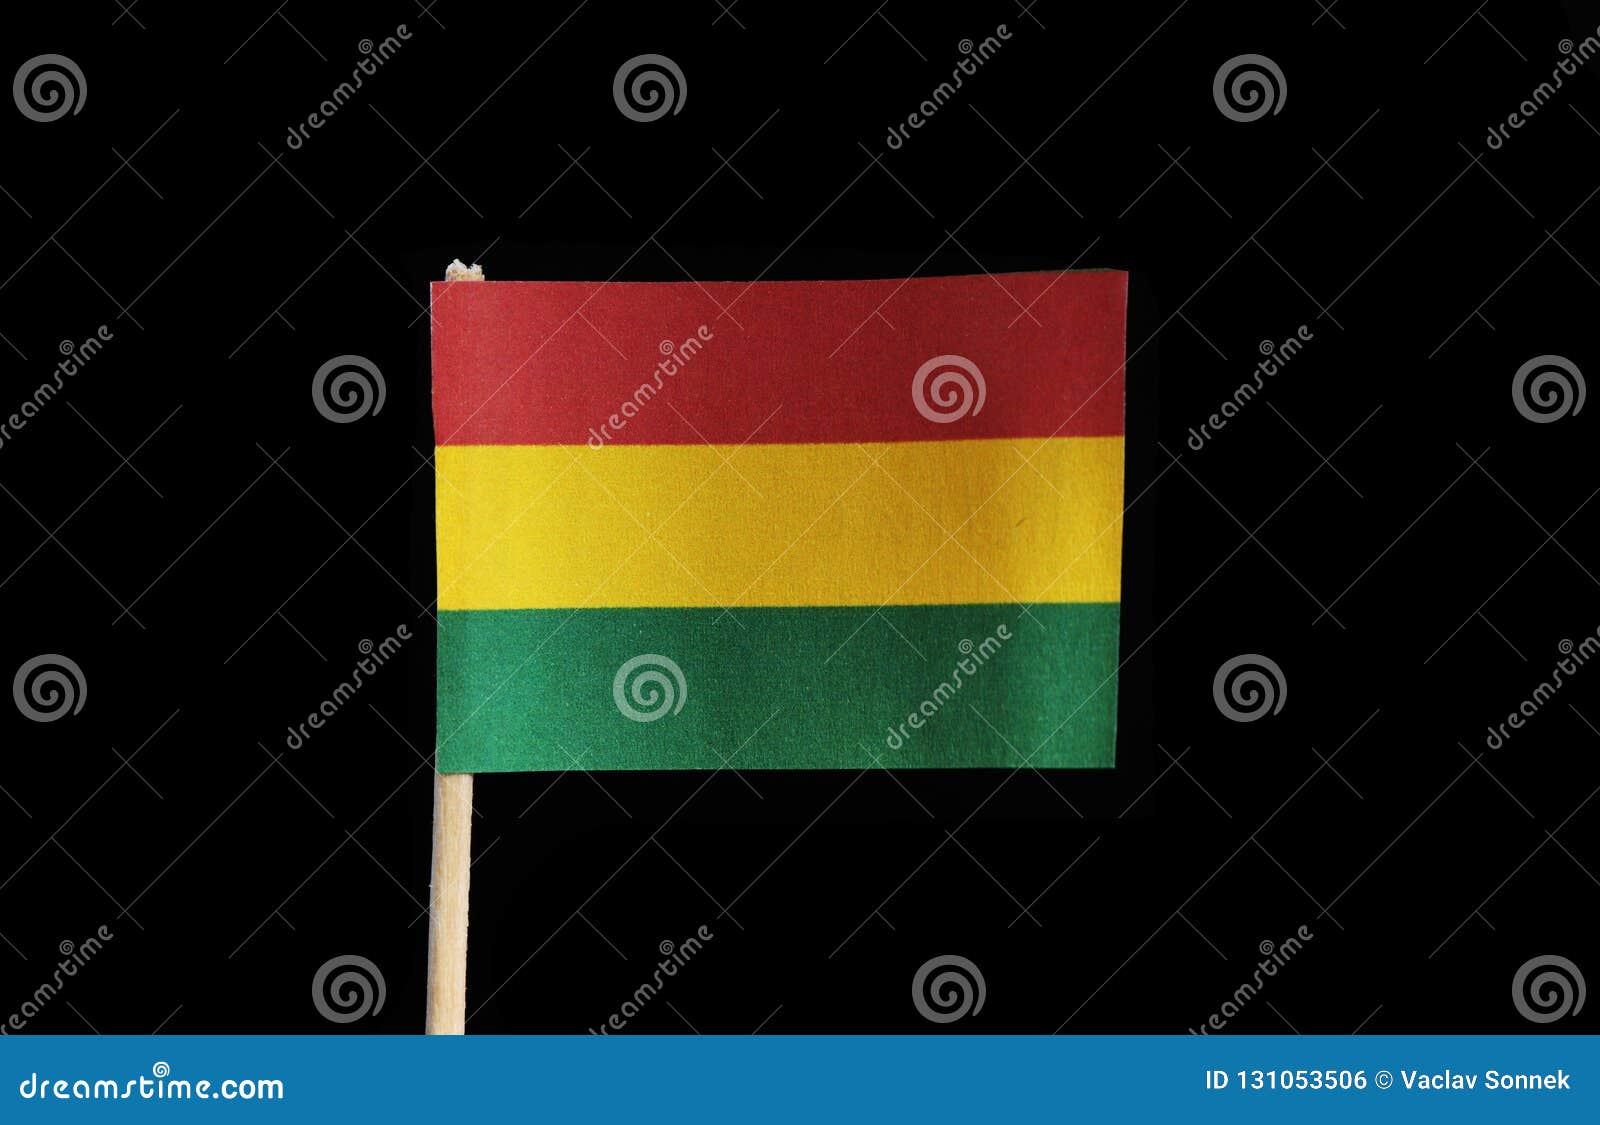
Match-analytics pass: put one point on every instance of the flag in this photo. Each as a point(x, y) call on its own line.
point(779, 524)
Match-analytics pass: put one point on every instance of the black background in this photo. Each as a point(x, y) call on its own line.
point(213, 587)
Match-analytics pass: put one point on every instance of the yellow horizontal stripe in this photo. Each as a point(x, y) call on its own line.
point(903, 523)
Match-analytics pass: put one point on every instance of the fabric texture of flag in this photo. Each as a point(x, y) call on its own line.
point(779, 525)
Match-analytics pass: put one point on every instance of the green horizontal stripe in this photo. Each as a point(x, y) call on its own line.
point(779, 688)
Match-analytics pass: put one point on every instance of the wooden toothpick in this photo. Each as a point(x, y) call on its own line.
point(452, 865)
point(447, 924)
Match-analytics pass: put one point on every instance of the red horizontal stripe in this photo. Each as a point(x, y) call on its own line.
point(552, 363)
